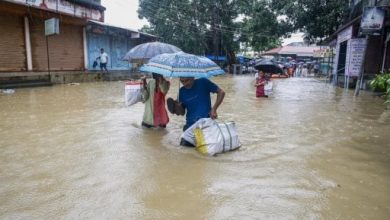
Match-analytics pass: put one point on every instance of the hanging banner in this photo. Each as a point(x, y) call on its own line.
point(372, 20)
point(354, 58)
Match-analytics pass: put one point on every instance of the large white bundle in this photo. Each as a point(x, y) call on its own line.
point(133, 92)
point(268, 88)
point(211, 137)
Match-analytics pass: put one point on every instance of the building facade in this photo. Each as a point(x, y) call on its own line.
point(359, 55)
point(115, 41)
point(24, 47)
point(26, 50)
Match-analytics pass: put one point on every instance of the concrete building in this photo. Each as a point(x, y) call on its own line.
point(359, 55)
point(116, 42)
point(29, 54)
point(23, 44)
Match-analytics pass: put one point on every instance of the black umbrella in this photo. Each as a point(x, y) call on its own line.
point(268, 66)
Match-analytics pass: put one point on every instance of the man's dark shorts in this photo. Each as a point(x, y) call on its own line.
point(103, 65)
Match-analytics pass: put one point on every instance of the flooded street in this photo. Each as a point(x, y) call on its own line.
point(311, 151)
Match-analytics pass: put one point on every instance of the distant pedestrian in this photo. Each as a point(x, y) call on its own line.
point(304, 70)
point(298, 71)
point(260, 83)
point(103, 60)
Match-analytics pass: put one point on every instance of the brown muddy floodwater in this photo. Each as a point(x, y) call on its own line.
point(311, 151)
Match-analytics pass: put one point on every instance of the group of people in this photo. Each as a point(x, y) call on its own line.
point(305, 69)
point(194, 101)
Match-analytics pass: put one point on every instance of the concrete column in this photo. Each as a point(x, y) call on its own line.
point(27, 42)
point(85, 48)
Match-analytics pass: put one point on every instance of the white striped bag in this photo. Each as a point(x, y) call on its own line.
point(212, 137)
point(133, 92)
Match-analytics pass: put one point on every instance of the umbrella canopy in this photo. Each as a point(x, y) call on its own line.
point(268, 66)
point(182, 65)
point(149, 50)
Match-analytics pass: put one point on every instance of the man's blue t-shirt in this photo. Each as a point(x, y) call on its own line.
point(197, 99)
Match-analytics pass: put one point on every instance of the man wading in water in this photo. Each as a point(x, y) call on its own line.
point(195, 101)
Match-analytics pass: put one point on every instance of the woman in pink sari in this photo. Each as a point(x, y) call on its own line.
point(155, 114)
point(260, 82)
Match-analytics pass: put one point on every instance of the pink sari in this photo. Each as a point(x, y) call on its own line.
point(260, 89)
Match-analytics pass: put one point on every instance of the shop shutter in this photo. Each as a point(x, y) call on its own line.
point(12, 46)
point(65, 49)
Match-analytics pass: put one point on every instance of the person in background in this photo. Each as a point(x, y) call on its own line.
point(195, 101)
point(103, 60)
point(155, 114)
point(304, 70)
point(260, 83)
point(298, 71)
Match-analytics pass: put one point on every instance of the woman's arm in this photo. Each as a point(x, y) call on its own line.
point(164, 85)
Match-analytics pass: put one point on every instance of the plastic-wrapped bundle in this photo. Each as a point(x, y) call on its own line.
point(133, 92)
point(268, 88)
point(211, 137)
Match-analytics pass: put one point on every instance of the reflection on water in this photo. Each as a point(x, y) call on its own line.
point(309, 151)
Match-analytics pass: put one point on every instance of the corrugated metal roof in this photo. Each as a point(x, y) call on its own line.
point(273, 51)
point(289, 50)
point(129, 29)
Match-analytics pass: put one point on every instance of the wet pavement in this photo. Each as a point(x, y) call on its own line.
point(310, 151)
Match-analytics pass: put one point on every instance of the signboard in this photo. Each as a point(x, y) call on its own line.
point(372, 20)
point(344, 35)
point(135, 35)
point(52, 26)
point(354, 58)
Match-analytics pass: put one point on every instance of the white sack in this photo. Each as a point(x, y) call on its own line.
point(133, 92)
point(211, 137)
point(268, 88)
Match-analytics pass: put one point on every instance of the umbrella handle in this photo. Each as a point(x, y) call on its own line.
point(178, 91)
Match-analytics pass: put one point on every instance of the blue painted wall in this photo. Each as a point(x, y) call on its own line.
point(116, 43)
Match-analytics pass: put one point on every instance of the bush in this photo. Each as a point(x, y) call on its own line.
point(381, 83)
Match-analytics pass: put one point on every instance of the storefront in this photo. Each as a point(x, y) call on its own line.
point(360, 55)
point(24, 47)
point(115, 41)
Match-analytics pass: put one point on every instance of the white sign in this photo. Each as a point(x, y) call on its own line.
point(52, 26)
point(372, 20)
point(344, 35)
point(354, 59)
point(135, 35)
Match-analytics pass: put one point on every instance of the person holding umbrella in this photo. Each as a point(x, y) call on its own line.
point(155, 114)
point(260, 83)
point(194, 99)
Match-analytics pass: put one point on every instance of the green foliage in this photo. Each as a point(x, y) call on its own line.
point(196, 26)
point(317, 18)
point(261, 27)
point(212, 27)
point(218, 27)
point(382, 83)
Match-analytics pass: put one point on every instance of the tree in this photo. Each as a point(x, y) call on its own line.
point(261, 27)
point(211, 26)
point(318, 19)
